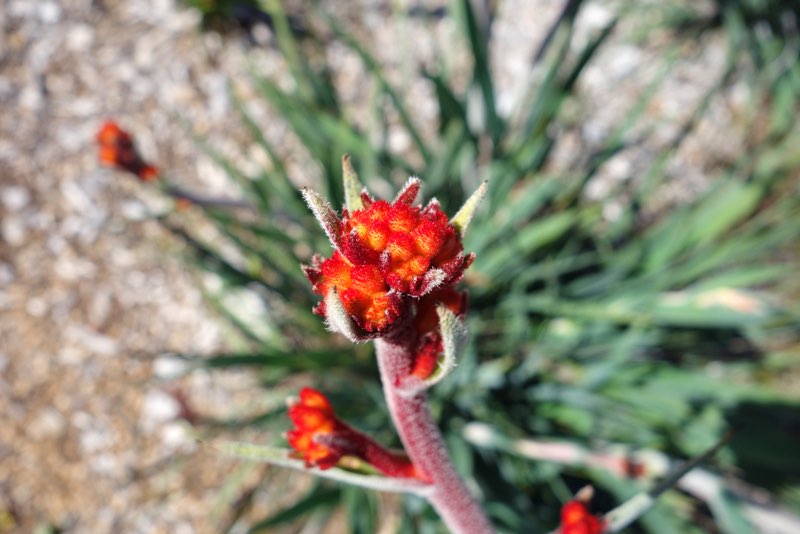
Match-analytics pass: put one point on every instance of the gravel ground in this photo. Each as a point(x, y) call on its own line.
point(91, 292)
point(93, 296)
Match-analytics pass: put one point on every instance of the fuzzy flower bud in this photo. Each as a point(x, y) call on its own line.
point(117, 149)
point(576, 519)
point(314, 425)
point(388, 255)
point(321, 439)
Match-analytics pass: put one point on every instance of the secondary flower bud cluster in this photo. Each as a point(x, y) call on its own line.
point(314, 423)
point(118, 150)
point(321, 439)
point(576, 519)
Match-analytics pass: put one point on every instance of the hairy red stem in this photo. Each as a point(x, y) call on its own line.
point(391, 463)
point(423, 442)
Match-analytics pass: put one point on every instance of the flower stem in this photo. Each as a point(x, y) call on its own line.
point(423, 442)
point(390, 463)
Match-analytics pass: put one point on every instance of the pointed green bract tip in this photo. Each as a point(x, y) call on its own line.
point(352, 185)
point(453, 334)
point(461, 220)
point(324, 213)
point(453, 337)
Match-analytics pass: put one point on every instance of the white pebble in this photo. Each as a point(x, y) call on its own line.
point(47, 423)
point(80, 37)
point(174, 435)
point(6, 274)
point(49, 12)
point(15, 197)
point(159, 407)
point(169, 367)
point(13, 231)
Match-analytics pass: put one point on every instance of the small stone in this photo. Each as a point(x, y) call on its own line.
point(49, 12)
point(72, 356)
point(14, 231)
point(6, 274)
point(81, 420)
point(31, 98)
point(133, 210)
point(95, 439)
point(55, 244)
point(92, 341)
point(37, 307)
point(174, 436)
point(105, 464)
point(100, 306)
point(21, 9)
point(47, 424)
point(169, 367)
point(15, 197)
point(80, 37)
point(158, 407)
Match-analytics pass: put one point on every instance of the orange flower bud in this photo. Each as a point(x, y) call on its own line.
point(118, 150)
point(387, 255)
point(576, 519)
point(314, 421)
point(321, 439)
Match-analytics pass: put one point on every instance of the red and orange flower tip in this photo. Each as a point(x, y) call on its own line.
point(416, 249)
point(111, 134)
point(315, 426)
point(576, 519)
point(387, 255)
point(116, 149)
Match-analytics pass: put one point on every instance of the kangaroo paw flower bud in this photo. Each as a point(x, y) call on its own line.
point(314, 425)
point(576, 519)
point(321, 439)
point(117, 149)
point(387, 256)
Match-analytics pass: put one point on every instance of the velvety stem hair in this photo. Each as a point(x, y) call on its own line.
point(423, 442)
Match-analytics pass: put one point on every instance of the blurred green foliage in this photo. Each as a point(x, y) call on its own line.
point(658, 331)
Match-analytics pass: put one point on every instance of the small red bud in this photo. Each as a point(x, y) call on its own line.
point(321, 439)
point(576, 519)
point(117, 149)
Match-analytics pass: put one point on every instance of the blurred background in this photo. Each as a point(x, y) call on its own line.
point(634, 295)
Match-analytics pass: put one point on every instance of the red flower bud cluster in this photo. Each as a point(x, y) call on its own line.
point(388, 256)
point(321, 439)
point(576, 519)
point(118, 150)
point(314, 424)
